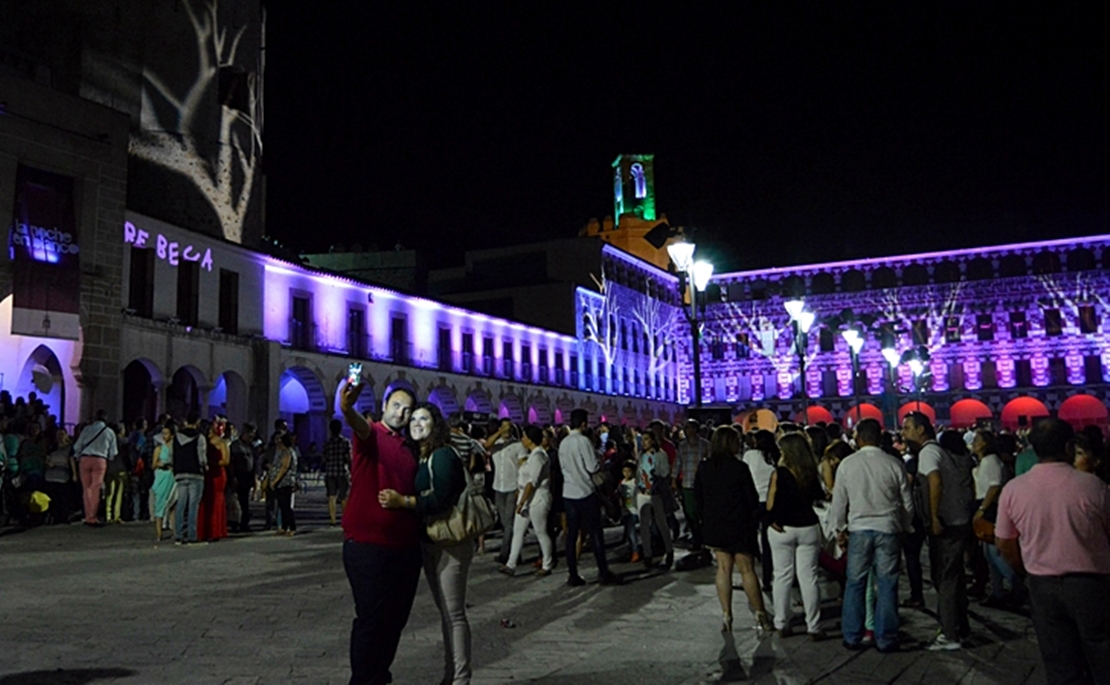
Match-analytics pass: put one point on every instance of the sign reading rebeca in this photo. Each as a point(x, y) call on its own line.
point(44, 249)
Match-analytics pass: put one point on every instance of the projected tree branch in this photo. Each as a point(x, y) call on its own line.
point(225, 177)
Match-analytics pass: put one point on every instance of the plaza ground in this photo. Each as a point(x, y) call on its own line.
point(109, 605)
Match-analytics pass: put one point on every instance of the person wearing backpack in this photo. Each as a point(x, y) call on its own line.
point(948, 496)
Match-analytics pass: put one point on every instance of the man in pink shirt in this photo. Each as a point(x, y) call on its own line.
point(1054, 524)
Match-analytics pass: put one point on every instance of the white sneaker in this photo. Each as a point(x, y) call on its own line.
point(942, 644)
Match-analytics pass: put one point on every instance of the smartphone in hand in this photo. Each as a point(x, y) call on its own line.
point(354, 373)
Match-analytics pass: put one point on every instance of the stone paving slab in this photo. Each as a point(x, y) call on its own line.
point(88, 606)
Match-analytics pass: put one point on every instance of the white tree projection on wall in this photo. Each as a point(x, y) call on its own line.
point(658, 322)
point(599, 315)
point(225, 177)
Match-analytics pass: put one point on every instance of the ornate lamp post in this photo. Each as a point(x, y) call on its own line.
point(855, 344)
point(697, 275)
point(892, 359)
point(802, 321)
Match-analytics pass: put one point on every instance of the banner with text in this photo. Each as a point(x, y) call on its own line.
point(44, 249)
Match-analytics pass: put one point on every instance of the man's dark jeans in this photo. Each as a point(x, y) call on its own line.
point(383, 581)
point(585, 513)
point(911, 547)
point(1071, 615)
point(946, 561)
point(244, 483)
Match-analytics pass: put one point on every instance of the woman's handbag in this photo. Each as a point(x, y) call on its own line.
point(468, 518)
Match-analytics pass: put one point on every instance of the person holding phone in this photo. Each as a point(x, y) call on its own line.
point(381, 548)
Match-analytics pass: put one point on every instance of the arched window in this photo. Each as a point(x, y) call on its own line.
point(852, 281)
point(1012, 266)
point(638, 178)
point(915, 274)
point(618, 190)
point(822, 284)
point(884, 277)
point(979, 269)
point(946, 272)
point(1046, 262)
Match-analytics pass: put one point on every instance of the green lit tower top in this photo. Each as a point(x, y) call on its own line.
point(634, 186)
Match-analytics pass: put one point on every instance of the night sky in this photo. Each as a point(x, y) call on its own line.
point(785, 133)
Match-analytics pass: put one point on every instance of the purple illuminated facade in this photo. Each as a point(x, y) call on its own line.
point(1011, 331)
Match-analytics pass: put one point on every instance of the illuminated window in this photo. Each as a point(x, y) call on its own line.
point(468, 352)
point(984, 327)
point(920, 332)
point(1088, 322)
point(1019, 328)
point(1092, 368)
point(487, 356)
point(560, 372)
point(356, 332)
point(507, 359)
point(444, 349)
point(526, 363)
point(399, 340)
point(543, 365)
point(229, 302)
point(952, 329)
point(1053, 323)
point(300, 335)
point(639, 180)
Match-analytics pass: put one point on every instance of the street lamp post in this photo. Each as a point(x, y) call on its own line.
point(855, 344)
point(697, 275)
point(892, 359)
point(802, 321)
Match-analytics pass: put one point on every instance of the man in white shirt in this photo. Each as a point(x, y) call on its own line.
point(578, 462)
point(871, 508)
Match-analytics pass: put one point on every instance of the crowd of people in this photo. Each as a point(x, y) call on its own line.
point(1013, 519)
point(780, 508)
point(193, 479)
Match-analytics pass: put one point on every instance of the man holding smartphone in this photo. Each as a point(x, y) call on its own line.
point(381, 548)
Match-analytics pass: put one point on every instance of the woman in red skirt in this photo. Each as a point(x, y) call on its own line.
point(212, 518)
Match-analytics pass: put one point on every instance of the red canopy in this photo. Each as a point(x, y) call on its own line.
point(966, 412)
point(1084, 410)
point(917, 406)
point(865, 411)
point(1029, 407)
point(816, 415)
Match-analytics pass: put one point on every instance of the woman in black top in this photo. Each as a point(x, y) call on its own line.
point(725, 494)
point(795, 532)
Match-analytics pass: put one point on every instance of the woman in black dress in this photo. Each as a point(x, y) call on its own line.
point(726, 496)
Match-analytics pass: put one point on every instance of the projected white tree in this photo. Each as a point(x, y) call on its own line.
point(658, 321)
point(600, 315)
point(224, 177)
point(938, 304)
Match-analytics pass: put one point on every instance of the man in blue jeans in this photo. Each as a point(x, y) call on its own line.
point(871, 508)
point(190, 461)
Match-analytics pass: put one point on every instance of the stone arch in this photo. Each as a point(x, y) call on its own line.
point(142, 381)
point(229, 397)
point(539, 410)
point(564, 405)
point(303, 403)
point(511, 407)
point(184, 393)
point(478, 401)
point(443, 397)
point(42, 374)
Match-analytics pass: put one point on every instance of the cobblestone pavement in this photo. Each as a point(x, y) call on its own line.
point(109, 605)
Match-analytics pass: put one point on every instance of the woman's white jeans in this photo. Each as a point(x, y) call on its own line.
point(796, 549)
point(446, 568)
point(537, 512)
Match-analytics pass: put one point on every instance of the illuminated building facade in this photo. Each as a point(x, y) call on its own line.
point(1005, 333)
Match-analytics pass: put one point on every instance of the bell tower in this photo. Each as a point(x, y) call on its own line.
point(634, 187)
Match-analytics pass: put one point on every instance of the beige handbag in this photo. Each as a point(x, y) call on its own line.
point(468, 518)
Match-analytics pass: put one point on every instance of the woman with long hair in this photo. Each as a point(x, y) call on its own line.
point(440, 478)
point(283, 482)
point(212, 519)
point(762, 461)
point(725, 494)
point(164, 488)
point(795, 532)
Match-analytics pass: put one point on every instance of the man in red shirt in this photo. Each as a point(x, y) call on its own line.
point(1054, 524)
point(381, 548)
